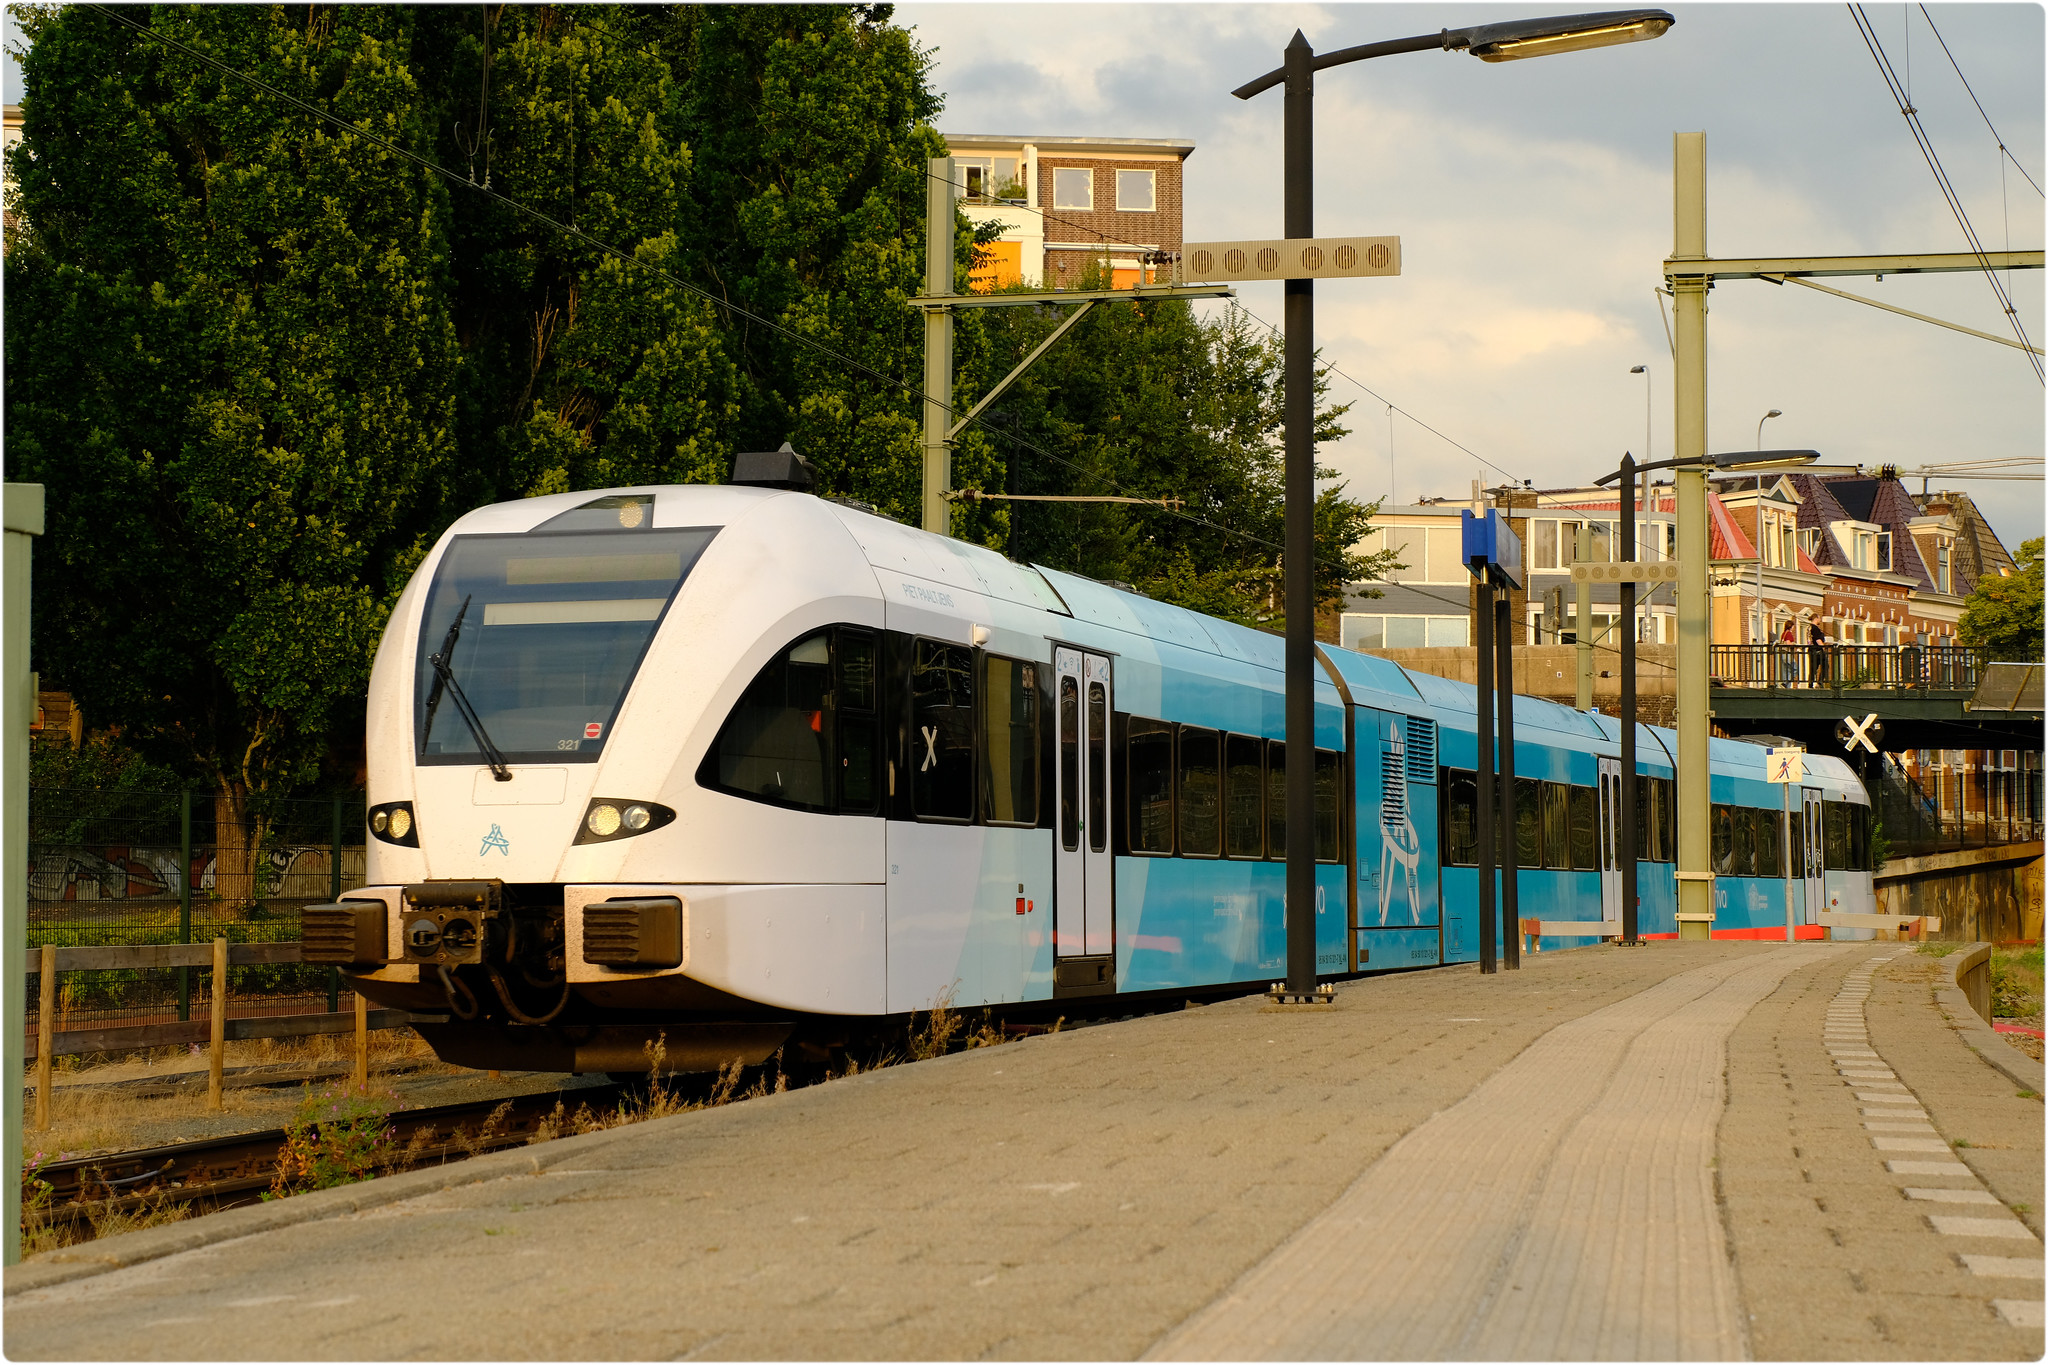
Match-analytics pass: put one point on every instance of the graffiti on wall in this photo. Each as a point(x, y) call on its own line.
point(120, 872)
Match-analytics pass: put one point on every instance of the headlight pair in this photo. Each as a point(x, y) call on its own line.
point(610, 817)
point(394, 823)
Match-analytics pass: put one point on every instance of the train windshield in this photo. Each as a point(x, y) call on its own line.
point(541, 634)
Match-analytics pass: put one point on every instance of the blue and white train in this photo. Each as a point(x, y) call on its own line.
point(738, 768)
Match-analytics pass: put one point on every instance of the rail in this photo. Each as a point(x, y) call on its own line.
point(1927, 668)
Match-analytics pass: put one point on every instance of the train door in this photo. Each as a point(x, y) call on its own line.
point(1816, 893)
point(1084, 882)
point(1610, 840)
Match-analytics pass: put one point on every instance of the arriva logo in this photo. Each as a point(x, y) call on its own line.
point(496, 839)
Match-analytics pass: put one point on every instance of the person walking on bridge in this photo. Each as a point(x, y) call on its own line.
point(1817, 655)
point(1788, 655)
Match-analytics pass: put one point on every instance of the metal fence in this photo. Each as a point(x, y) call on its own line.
point(1932, 668)
point(1957, 808)
point(109, 868)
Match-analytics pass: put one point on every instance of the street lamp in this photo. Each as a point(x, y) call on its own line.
point(1760, 426)
point(1488, 42)
point(1731, 461)
point(1648, 386)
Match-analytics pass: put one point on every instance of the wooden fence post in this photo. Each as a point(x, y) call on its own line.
point(362, 1041)
point(46, 1029)
point(217, 1055)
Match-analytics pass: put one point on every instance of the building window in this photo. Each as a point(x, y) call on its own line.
point(1431, 554)
point(1358, 631)
point(991, 179)
point(1073, 188)
point(1135, 191)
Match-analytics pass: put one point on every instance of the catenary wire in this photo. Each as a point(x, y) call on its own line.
point(2007, 151)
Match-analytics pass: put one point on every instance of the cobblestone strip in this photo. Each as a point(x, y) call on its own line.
point(1901, 1130)
point(1554, 1213)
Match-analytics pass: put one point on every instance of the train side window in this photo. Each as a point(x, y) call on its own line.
point(1556, 825)
point(1667, 821)
point(1584, 819)
point(1742, 822)
point(1009, 741)
point(1244, 813)
point(1461, 818)
point(1834, 833)
point(1770, 843)
point(1149, 759)
point(1795, 847)
point(1200, 794)
point(1070, 765)
point(941, 731)
point(1329, 808)
point(1859, 838)
point(1722, 823)
point(1276, 799)
point(853, 661)
point(1528, 822)
point(776, 744)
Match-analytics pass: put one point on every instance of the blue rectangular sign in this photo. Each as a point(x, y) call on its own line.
point(1490, 546)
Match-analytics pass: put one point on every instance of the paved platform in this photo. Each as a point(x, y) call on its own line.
point(1686, 1150)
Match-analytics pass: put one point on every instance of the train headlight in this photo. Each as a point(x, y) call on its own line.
point(610, 817)
point(394, 823)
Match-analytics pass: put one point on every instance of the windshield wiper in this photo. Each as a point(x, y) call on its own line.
point(444, 680)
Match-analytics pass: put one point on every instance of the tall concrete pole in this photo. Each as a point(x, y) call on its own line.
point(1583, 653)
point(1689, 307)
point(1299, 321)
point(939, 196)
point(24, 519)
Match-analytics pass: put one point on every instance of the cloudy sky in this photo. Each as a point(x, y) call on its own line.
point(1533, 203)
point(1533, 200)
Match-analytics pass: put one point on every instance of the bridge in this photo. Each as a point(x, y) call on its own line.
point(1926, 696)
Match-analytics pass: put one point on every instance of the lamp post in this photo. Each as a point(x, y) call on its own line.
point(1648, 387)
point(1760, 426)
point(1490, 43)
point(1690, 540)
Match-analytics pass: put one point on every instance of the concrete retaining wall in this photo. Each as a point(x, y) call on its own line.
point(1988, 894)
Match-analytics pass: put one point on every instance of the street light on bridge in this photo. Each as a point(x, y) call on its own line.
point(1490, 43)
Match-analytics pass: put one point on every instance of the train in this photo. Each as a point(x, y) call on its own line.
point(676, 776)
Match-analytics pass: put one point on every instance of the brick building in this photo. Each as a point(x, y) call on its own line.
point(1069, 202)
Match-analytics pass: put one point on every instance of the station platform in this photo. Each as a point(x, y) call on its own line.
point(1707, 1150)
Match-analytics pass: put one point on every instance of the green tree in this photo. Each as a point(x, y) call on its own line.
point(2003, 615)
point(230, 362)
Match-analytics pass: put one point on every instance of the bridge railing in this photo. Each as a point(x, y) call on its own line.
point(1932, 668)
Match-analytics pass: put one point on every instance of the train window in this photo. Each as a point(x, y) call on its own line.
point(1584, 818)
point(1770, 839)
point(1244, 813)
point(1276, 799)
point(1667, 821)
point(776, 744)
point(1795, 847)
point(1329, 810)
point(1200, 794)
point(853, 658)
point(941, 731)
point(1528, 822)
point(1556, 825)
point(1722, 823)
point(1098, 768)
point(1835, 838)
point(1149, 759)
point(1009, 741)
point(1461, 818)
point(1742, 827)
point(1070, 765)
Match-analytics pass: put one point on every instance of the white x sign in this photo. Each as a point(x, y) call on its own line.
point(931, 748)
point(1858, 732)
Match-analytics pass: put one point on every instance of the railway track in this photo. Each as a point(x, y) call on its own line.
point(220, 1173)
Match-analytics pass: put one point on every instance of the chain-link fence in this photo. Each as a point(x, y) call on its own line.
point(127, 867)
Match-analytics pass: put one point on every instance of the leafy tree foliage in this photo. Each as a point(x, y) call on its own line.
point(230, 361)
point(2003, 615)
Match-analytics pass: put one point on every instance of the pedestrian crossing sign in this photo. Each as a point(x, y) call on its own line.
point(1785, 765)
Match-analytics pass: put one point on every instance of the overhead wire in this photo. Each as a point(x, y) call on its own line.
point(1912, 115)
point(629, 259)
point(2003, 149)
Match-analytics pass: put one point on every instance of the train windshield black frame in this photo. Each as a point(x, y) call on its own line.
point(557, 626)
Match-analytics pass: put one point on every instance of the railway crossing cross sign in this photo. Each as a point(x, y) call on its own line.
point(1853, 732)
